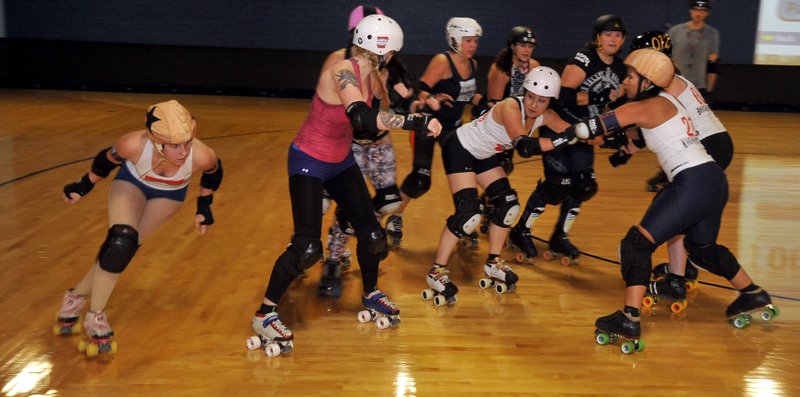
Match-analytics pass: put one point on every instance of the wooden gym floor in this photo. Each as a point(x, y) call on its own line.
point(182, 310)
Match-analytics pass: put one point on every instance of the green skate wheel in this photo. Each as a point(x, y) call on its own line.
point(627, 347)
point(639, 345)
point(739, 322)
point(602, 338)
point(775, 311)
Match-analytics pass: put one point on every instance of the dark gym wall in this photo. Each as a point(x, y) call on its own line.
point(257, 47)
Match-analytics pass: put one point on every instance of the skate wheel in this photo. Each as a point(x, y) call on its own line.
point(767, 315)
point(92, 350)
point(627, 347)
point(739, 322)
point(287, 347)
point(566, 260)
point(272, 350)
point(364, 316)
point(521, 258)
point(113, 346)
point(547, 255)
point(253, 342)
point(485, 283)
point(775, 311)
point(691, 285)
point(601, 338)
point(677, 306)
point(648, 301)
point(383, 323)
point(452, 300)
point(501, 288)
point(427, 294)
point(57, 330)
point(639, 345)
point(76, 328)
point(81, 345)
point(439, 300)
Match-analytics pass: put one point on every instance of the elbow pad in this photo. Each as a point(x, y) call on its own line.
point(363, 119)
point(713, 67)
point(568, 97)
point(214, 179)
point(101, 165)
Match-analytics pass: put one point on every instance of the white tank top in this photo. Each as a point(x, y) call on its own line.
point(675, 142)
point(144, 167)
point(705, 121)
point(484, 137)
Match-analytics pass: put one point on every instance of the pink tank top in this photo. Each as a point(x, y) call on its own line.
point(327, 134)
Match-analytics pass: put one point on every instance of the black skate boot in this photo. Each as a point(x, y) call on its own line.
point(394, 229)
point(690, 274)
point(331, 282)
point(520, 237)
point(672, 287)
point(619, 325)
point(657, 182)
point(739, 312)
point(561, 246)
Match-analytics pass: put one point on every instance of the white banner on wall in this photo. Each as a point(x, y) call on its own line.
point(778, 33)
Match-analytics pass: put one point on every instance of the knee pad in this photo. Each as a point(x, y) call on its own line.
point(468, 212)
point(417, 183)
point(387, 200)
point(635, 255)
point(372, 241)
point(505, 201)
point(119, 248)
point(584, 185)
point(715, 258)
point(554, 189)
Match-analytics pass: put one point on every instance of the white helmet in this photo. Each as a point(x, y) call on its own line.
point(378, 34)
point(543, 81)
point(460, 27)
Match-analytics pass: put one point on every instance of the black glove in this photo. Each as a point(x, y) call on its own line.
point(619, 158)
point(417, 122)
point(81, 187)
point(204, 208)
point(564, 139)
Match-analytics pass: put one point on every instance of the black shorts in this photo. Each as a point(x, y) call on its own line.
point(457, 159)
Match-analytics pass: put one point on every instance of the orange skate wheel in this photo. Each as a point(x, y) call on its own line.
point(648, 301)
point(677, 306)
point(547, 255)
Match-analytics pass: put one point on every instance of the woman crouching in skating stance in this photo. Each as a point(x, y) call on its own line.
point(470, 160)
point(150, 187)
point(691, 203)
point(321, 157)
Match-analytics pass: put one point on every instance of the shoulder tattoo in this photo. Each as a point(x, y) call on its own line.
point(346, 77)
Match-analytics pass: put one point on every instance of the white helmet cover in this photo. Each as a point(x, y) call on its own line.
point(543, 81)
point(460, 27)
point(378, 34)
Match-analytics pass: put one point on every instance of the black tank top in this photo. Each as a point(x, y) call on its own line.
point(599, 77)
point(462, 90)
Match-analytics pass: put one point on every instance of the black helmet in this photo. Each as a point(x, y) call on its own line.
point(521, 34)
point(700, 4)
point(609, 22)
point(654, 39)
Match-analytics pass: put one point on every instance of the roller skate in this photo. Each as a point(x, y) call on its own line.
point(657, 182)
point(561, 246)
point(379, 309)
point(619, 326)
point(394, 229)
point(99, 335)
point(498, 275)
point(672, 287)
point(69, 315)
point(740, 312)
point(520, 237)
point(440, 288)
point(469, 241)
point(271, 334)
point(690, 274)
point(330, 284)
